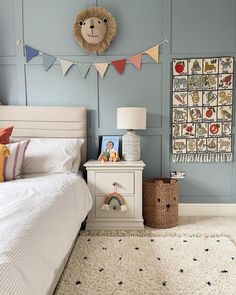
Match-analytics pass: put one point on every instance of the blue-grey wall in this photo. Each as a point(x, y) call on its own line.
point(195, 28)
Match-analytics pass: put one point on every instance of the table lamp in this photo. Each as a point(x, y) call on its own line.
point(131, 118)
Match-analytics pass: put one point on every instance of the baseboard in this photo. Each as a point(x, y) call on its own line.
point(207, 209)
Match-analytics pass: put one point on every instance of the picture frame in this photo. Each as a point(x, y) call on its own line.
point(109, 148)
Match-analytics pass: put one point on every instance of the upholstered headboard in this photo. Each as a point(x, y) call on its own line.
point(37, 121)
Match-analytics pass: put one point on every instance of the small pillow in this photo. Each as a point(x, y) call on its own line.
point(52, 155)
point(13, 163)
point(4, 152)
point(5, 134)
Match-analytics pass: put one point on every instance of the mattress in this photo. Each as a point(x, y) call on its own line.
point(40, 216)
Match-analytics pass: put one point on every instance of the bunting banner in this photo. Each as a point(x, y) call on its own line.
point(101, 68)
point(84, 67)
point(65, 65)
point(30, 53)
point(136, 60)
point(119, 65)
point(48, 61)
point(153, 52)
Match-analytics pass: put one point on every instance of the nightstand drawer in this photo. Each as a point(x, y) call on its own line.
point(124, 181)
point(114, 213)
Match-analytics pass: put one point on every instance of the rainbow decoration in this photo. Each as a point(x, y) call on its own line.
point(119, 199)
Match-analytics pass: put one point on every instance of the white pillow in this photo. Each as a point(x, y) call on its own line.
point(12, 168)
point(52, 155)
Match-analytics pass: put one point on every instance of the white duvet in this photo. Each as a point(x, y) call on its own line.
point(39, 219)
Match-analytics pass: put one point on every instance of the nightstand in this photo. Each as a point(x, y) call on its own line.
point(127, 178)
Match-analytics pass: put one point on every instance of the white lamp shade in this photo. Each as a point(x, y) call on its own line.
point(131, 118)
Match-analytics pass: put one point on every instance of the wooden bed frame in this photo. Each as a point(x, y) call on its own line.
point(57, 122)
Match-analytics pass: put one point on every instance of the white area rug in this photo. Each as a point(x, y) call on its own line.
point(169, 264)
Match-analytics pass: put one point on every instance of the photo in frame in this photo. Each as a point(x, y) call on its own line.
point(109, 148)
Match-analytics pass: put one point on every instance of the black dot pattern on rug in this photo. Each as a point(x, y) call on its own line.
point(224, 271)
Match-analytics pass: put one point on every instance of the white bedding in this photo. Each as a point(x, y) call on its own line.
point(39, 219)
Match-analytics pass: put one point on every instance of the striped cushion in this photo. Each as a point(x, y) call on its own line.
point(12, 164)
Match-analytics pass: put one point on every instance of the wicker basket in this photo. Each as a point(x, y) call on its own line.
point(160, 202)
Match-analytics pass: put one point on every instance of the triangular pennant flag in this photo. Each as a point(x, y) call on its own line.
point(65, 65)
point(48, 61)
point(136, 60)
point(30, 53)
point(153, 52)
point(119, 65)
point(101, 68)
point(84, 68)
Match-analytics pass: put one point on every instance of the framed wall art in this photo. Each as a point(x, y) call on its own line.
point(202, 109)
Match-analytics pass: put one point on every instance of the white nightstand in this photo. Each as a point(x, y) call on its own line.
point(128, 178)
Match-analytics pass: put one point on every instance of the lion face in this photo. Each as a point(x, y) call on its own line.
point(94, 29)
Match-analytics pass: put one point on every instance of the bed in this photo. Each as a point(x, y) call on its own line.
point(40, 215)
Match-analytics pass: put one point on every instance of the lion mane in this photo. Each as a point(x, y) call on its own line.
point(101, 13)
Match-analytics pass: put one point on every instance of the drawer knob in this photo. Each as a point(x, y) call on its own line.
point(114, 184)
point(114, 207)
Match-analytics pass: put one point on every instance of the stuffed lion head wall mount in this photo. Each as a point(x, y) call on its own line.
point(94, 29)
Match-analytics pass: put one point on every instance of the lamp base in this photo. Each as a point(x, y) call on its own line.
point(131, 146)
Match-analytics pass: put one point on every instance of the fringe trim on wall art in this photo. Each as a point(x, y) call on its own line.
point(223, 157)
